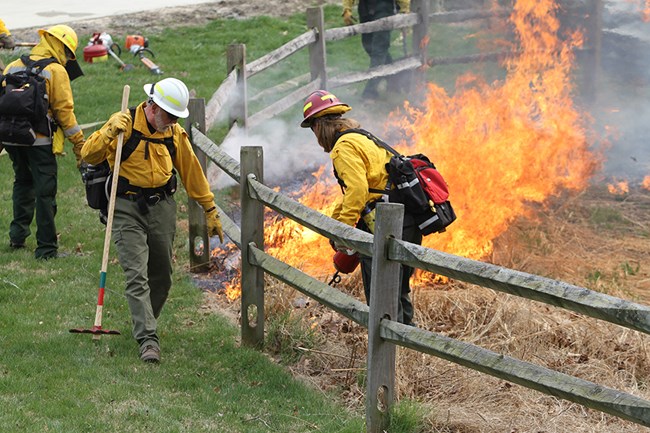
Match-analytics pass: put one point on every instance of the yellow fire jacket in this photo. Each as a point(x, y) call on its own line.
point(59, 94)
point(4, 29)
point(150, 165)
point(404, 5)
point(360, 164)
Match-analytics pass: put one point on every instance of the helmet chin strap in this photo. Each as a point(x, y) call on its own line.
point(151, 91)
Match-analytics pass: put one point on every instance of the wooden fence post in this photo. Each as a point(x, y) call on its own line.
point(236, 59)
point(199, 239)
point(420, 35)
point(385, 290)
point(252, 231)
point(317, 51)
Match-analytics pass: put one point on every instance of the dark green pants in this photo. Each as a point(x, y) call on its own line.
point(376, 44)
point(410, 233)
point(144, 246)
point(35, 185)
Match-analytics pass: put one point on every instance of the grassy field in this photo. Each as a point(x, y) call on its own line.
point(51, 380)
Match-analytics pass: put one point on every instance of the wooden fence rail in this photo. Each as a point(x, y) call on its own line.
point(419, 20)
point(382, 330)
point(387, 250)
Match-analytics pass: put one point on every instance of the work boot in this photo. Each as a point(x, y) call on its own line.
point(150, 354)
point(16, 245)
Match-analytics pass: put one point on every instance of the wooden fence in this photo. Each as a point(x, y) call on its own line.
point(386, 248)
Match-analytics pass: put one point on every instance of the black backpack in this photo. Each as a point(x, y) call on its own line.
point(418, 185)
point(24, 103)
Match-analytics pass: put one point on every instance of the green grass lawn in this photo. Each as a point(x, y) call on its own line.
point(52, 380)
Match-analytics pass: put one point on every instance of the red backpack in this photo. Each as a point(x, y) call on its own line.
point(415, 182)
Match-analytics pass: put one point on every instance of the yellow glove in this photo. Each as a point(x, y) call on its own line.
point(119, 122)
point(348, 19)
point(214, 223)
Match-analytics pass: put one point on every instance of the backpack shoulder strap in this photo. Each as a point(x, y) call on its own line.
point(379, 142)
point(129, 147)
point(137, 136)
point(35, 66)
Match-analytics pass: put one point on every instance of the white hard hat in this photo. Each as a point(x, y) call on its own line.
point(171, 95)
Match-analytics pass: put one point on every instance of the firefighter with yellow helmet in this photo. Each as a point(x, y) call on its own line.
point(6, 40)
point(35, 166)
point(144, 222)
point(360, 168)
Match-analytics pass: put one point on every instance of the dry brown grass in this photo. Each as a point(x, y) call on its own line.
point(593, 240)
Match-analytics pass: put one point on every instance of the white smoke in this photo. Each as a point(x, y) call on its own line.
point(289, 150)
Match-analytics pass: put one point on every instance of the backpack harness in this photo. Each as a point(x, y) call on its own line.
point(24, 103)
point(98, 179)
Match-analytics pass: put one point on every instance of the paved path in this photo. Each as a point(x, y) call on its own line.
point(39, 13)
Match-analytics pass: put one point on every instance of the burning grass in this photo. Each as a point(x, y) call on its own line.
point(566, 242)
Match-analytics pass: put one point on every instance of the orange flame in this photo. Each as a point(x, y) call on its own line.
point(618, 188)
point(646, 12)
point(501, 146)
point(646, 180)
point(506, 145)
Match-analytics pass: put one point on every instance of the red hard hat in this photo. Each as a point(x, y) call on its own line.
point(320, 103)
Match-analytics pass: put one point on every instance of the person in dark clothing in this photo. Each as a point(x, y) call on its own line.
point(360, 167)
point(376, 44)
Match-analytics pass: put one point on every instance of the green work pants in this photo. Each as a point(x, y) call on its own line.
point(35, 185)
point(144, 246)
point(410, 233)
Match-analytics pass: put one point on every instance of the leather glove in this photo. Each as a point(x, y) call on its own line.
point(348, 19)
point(118, 122)
point(339, 247)
point(214, 223)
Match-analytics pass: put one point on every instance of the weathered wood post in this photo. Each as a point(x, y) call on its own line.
point(199, 239)
point(384, 295)
point(317, 52)
point(236, 59)
point(420, 38)
point(252, 232)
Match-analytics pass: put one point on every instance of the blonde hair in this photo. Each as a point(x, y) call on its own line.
point(329, 127)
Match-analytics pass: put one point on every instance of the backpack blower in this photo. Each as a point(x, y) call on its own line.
point(139, 45)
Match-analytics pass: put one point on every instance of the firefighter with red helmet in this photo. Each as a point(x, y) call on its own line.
point(360, 168)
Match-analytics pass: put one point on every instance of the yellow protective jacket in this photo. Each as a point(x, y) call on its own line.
point(404, 5)
point(360, 164)
point(59, 93)
point(150, 165)
point(3, 29)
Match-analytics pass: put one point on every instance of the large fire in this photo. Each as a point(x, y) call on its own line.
point(501, 146)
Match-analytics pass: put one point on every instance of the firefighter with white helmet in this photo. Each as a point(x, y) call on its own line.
point(360, 168)
point(144, 221)
point(35, 190)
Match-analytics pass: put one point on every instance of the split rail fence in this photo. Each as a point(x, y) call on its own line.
point(386, 248)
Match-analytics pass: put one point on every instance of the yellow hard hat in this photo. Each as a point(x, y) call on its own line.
point(65, 34)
